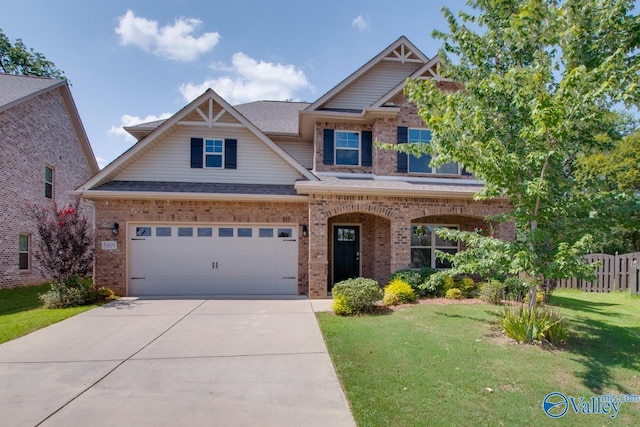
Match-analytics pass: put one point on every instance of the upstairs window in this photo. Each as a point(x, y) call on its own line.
point(422, 164)
point(48, 182)
point(213, 153)
point(347, 148)
point(23, 252)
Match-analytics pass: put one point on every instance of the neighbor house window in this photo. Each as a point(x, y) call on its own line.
point(213, 153)
point(425, 242)
point(48, 182)
point(422, 164)
point(347, 148)
point(23, 252)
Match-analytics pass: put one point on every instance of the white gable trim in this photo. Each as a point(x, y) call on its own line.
point(388, 52)
point(143, 146)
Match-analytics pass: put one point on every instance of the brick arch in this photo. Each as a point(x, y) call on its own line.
point(368, 208)
point(471, 212)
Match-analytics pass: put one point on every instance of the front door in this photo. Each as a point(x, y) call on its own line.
point(346, 252)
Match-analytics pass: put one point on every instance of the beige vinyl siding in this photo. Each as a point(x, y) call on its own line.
point(299, 150)
point(170, 160)
point(373, 85)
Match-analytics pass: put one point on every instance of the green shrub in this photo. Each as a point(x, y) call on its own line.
point(398, 292)
point(453, 293)
point(515, 289)
point(357, 295)
point(434, 285)
point(415, 279)
point(448, 283)
point(533, 325)
point(468, 287)
point(75, 291)
point(491, 291)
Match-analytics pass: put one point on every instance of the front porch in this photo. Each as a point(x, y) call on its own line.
point(373, 236)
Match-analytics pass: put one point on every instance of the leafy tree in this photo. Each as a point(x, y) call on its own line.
point(614, 176)
point(16, 58)
point(540, 83)
point(65, 246)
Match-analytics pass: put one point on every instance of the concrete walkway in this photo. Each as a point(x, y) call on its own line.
point(179, 362)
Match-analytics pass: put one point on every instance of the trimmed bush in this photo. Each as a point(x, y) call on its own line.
point(434, 285)
point(75, 291)
point(468, 287)
point(416, 279)
point(398, 292)
point(515, 289)
point(491, 291)
point(355, 296)
point(533, 325)
point(453, 293)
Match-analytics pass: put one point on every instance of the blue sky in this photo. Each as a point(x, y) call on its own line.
point(140, 60)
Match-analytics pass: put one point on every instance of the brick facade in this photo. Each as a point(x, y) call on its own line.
point(33, 134)
point(385, 229)
point(111, 266)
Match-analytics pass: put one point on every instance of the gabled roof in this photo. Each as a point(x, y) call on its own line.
point(16, 89)
point(273, 117)
point(402, 50)
point(190, 114)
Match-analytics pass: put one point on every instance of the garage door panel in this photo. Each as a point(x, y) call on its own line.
point(196, 259)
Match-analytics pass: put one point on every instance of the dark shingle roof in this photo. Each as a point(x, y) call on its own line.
point(198, 187)
point(14, 88)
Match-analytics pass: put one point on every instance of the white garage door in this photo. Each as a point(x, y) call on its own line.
point(196, 259)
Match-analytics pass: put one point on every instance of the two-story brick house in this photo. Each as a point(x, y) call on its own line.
point(44, 155)
point(282, 197)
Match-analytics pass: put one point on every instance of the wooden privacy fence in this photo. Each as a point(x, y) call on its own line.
point(614, 273)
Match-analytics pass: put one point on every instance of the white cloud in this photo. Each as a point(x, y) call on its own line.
point(128, 120)
point(175, 42)
point(102, 162)
point(250, 80)
point(360, 23)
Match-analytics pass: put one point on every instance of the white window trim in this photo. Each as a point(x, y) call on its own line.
point(205, 154)
point(434, 170)
point(336, 148)
point(433, 245)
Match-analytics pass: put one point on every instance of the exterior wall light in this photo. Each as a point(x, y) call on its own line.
point(305, 231)
point(115, 228)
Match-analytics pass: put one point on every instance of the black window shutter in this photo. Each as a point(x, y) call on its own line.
point(230, 153)
point(196, 152)
point(403, 138)
point(327, 157)
point(367, 147)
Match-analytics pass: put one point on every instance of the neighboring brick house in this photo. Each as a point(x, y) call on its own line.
point(44, 155)
point(282, 197)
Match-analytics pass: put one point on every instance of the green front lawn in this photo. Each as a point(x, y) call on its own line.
point(21, 312)
point(450, 365)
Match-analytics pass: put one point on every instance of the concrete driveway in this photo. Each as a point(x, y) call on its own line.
point(179, 362)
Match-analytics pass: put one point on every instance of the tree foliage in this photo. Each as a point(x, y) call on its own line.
point(613, 177)
point(16, 58)
point(65, 245)
point(541, 80)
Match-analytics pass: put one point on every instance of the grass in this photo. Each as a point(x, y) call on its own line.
point(21, 312)
point(450, 365)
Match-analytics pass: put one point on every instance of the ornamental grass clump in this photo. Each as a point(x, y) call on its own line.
point(533, 325)
point(398, 292)
point(355, 296)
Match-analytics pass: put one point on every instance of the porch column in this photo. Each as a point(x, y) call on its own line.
point(400, 243)
point(318, 251)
